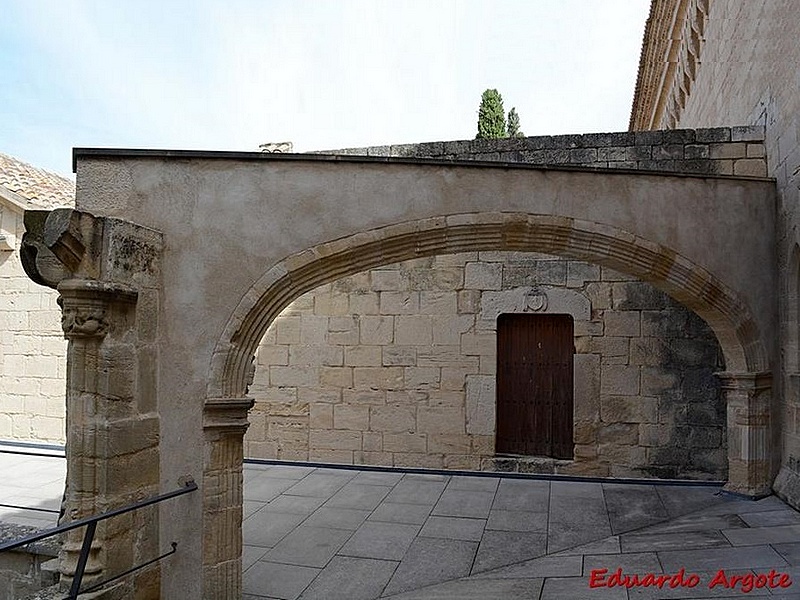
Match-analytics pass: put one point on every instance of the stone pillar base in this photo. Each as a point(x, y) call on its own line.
point(747, 396)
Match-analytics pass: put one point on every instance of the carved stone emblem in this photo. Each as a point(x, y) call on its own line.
point(84, 321)
point(536, 300)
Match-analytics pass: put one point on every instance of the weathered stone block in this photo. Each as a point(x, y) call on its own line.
point(363, 356)
point(331, 304)
point(479, 344)
point(386, 280)
point(447, 330)
point(293, 377)
point(337, 376)
point(434, 279)
point(373, 458)
point(365, 303)
point(372, 441)
point(399, 303)
point(618, 433)
point(393, 418)
point(351, 416)
point(480, 404)
point(316, 395)
point(728, 150)
point(655, 380)
point(705, 437)
point(344, 330)
point(446, 398)
point(747, 133)
point(413, 330)
point(313, 330)
point(620, 380)
point(325, 439)
point(599, 295)
point(750, 167)
point(440, 420)
point(622, 323)
point(438, 302)
point(372, 397)
point(375, 330)
point(585, 432)
point(609, 347)
point(579, 273)
point(647, 351)
point(426, 461)
point(273, 355)
point(716, 134)
point(377, 378)
point(449, 443)
point(404, 442)
point(399, 356)
point(421, 378)
point(454, 378)
point(469, 301)
point(306, 356)
point(756, 151)
point(410, 397)
point(628, 409)
point(483, 276)
point(325, 455)
point(320, 416)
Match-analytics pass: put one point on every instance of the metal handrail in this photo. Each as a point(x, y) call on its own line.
point(91, 526)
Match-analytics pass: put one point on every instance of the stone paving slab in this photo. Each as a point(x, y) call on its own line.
point(432, 560)
point(454, 528)
point(485, 537)
point(464, 503)
point(481, 589)
point(350, 578)
point(331, 533)
point(388, 541)
point(749, 557)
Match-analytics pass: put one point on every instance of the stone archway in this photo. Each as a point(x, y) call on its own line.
point(745, 387)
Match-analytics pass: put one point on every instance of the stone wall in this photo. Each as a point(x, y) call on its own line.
point(717, 151)
point(763, 89)
point(396, 366)
point(747, 73)
point(32, 348)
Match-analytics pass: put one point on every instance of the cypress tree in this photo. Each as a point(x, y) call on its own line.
point(491, 116)
point(513, 124)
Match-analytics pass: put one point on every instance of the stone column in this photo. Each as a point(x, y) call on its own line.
point(224, 426)
point(747, 396)
point(110, 450)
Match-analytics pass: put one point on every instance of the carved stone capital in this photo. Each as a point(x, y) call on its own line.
point(227, 414)
point(745, 382)
point(86, 306)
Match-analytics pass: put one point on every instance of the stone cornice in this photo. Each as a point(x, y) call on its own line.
point(669, 61)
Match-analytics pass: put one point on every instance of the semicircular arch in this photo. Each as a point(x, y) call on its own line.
point(687, 282)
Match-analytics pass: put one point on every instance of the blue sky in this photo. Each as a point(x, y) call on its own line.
point(232, 74)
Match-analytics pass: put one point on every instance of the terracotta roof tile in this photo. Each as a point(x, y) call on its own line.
point(42, 188)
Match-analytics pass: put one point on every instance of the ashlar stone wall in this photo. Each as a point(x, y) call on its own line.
point(32, 348)
point(396, 366)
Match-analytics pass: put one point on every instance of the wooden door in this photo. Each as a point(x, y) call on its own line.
point(534, 385)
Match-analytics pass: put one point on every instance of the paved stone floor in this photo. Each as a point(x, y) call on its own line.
point(314, 533)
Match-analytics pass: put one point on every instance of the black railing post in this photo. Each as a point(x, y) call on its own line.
point(82, 559)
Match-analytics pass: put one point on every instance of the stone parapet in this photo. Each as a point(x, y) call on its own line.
point(732, 151)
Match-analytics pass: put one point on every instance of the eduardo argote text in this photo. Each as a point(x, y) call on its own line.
point(600, 578)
